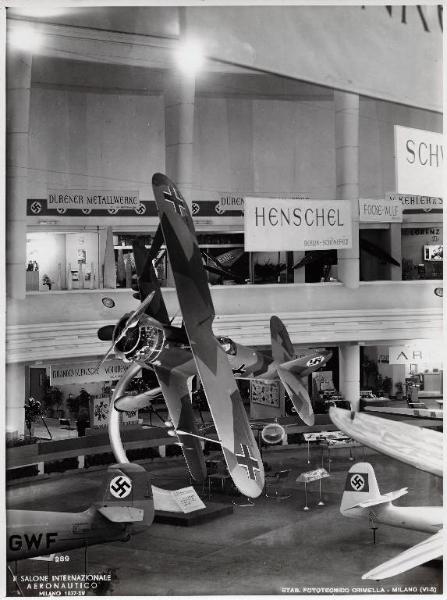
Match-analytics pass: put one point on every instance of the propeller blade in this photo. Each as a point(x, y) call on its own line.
point(105, 357)
point(133, 319)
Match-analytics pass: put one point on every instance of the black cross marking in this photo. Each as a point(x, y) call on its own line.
point(248, 462)
point(120, 486)
point(357, 482)
point(178, 202)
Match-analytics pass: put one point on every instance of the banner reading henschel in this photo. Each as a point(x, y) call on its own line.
point(289, 224)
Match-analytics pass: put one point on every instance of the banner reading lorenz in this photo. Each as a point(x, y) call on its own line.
point(284, 224)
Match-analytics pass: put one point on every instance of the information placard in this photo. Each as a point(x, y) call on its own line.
point(280, 224)
point(188, 499)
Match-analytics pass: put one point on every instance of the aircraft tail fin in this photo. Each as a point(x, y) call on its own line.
point(282, 348)
point(126, 495)
point(361, 490)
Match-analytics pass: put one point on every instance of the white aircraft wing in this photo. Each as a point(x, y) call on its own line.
point(429, 549)
point(416, 446)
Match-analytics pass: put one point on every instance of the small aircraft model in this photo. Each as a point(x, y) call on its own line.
point(248, 363)
point(362, 498)
point(327, 257)
point(147, 339)
point(221, 266)
point(416, 446)
point(125, 507)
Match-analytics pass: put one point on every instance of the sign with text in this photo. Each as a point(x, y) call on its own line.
point(410, 201)
point(187, 499)
point(87, 200)
point(380, 211)
point(419, 161)
point(99, 413)
point(265, 392)
point(286, 224)
point(421, 352)
point(86, 372)
point(229, 203)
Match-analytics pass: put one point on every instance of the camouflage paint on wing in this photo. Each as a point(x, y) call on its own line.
point(239, 447)
point(282, 348)
point(174, 385)
point(147, 280)
point(298, 394)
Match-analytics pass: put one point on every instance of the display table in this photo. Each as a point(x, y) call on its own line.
point(330, 445)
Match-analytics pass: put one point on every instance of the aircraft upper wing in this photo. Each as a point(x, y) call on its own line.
point(416, 446)
point(429, 549)
point(239, 447)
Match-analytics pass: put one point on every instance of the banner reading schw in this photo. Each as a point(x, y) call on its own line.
point(287, 224)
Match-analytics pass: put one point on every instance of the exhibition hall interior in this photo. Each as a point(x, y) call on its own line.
point(224, 300)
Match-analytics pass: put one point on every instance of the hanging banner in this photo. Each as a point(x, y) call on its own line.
point(380, 211)
point(386, 51)
point(419, 161)
point(416, 352)
point(86, 372)
point(280, 224)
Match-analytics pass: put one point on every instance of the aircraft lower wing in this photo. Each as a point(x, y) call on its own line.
point(416, 446)
point(238, 444)
point(429, 549)
point(174, 385)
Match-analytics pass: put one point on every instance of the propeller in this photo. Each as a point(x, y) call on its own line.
point(131, 322)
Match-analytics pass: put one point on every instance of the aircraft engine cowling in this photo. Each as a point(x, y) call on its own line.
point(273, 433)
point(142, 342)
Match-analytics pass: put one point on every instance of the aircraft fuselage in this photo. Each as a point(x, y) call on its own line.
point(420, 518)
point(36, 533)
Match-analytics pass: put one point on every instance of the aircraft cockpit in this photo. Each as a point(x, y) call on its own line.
point(228, 345)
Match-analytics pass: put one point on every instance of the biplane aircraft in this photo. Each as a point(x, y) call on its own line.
point(147, 339)
point(416, 446)
point(124, 507)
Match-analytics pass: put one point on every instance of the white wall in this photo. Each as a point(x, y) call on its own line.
point(116, 141)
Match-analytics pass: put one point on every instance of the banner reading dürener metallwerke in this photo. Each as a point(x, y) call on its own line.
point(93, 199)
point(289, 224)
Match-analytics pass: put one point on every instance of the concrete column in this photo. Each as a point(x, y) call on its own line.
point(18, 91)
point(396, 250)
point(347, 178)
point(350, 374)
point(15, 377)
point(179, 128)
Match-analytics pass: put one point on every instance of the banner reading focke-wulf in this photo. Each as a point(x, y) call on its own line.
point(278, 224)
